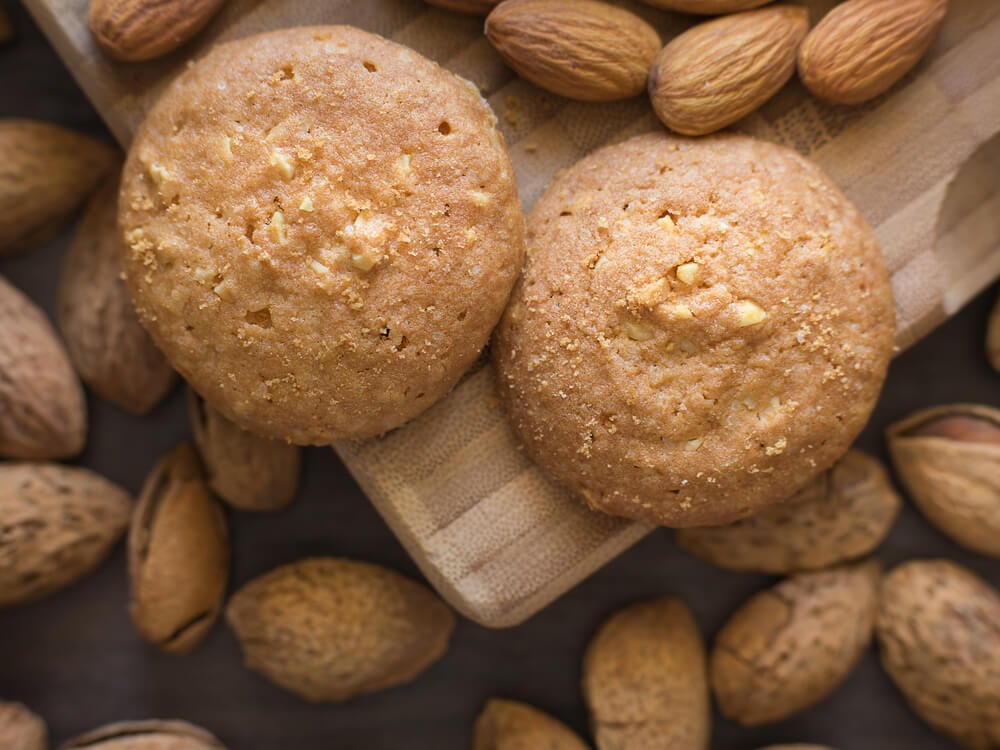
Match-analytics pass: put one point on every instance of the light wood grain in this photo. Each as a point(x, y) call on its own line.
point(496, 538)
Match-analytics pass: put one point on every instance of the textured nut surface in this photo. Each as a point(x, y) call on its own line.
point(134, 30)
point(178, 555)
point(722, 70)
point(993, 337)
point(248, 471)
point(42, 410)
point(581, 49)
point(57, 523)
point(644, 680)
point(862, 47)
point(792, 645)
point(938, 631)
point(45, 173)
point(329, 629)
point(109, 349)
point(476, 7)
point(20, 729)
point(843, 514)
point(146, 735)
point(707, 7)
point(948, 458)
point(509, 725)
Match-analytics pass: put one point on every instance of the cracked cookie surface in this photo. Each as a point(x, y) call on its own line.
point(702, 327)
point(322, 227)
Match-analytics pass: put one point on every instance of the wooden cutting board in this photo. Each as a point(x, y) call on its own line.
point(490, 532)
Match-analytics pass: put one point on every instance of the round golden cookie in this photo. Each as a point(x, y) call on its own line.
point(702, 327)
point(322, 227)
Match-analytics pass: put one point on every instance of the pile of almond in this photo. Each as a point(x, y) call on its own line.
point(720, 70)
point(329, 629)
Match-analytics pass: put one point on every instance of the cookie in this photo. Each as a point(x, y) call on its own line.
point(322, 227)
point(702, 327)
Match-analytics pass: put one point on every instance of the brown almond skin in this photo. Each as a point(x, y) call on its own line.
point(722, 70)
point(790, 646)
point(178, 555)
point(580, 49)
point(993, 337)
point(509, 725)
point(842, 515)
point(59, 524)
point(473, 7)
point(948, 459)
point(112, 353)
point(146, 735)
point(46, 171)
point(644, 680)
point(42, 409)
point(861, 48)
point(250, 472)
point(20, 729)
point(137, 30)
point(329, 629)
point(938, 632)
point(707, 7)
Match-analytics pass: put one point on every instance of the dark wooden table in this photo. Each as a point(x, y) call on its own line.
point(75, 659)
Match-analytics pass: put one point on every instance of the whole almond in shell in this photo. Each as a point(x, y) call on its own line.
point(644, 680)
point(59, 523)
point(993, 337)
point(136, 30)
point(45, 173)
point(948, 458)
point(178, 555)
point(581, 49)
point(42, 410)
point(722, 70)
point(707, 7)
point(842, 515)
point(862, 47)
point(20, 729)
point(248, 471)
point(939, 639)
point(509, 725)
point(791, 646)
point(474, 7)
point(113, 354)
point(146, 735)
point(329, 629)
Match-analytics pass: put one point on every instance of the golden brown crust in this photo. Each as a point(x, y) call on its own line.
point(702, 327)
point(322, 229)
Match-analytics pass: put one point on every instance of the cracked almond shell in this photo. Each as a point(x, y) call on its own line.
point(110, 350)
point(249, 471)
point(146, 735)
point(790, 646)
point(722, 70)
point(42, 409)
point(509, 725)
point(644, 680)
point(329, 628)
point(938, 631)
point(843, 514)
point(20, 729)
point(57, 524)
point(178, 555)
point(580, 49)
point(948, 458)
point(45, 173)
